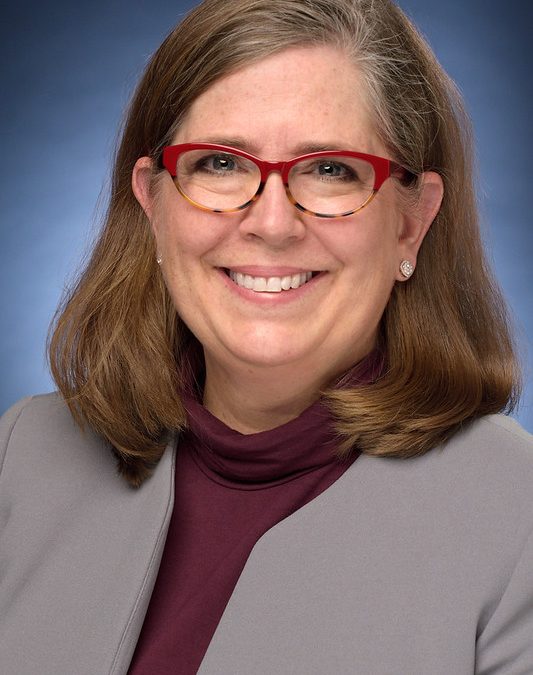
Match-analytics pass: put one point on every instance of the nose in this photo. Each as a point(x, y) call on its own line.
point(272, 217)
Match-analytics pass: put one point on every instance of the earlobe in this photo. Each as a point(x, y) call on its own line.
point(418, 217)
point(141, 184)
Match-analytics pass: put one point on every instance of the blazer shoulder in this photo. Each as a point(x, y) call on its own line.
point(511, 427)
point(7, 423)
point(499, 438)
point(50, 403)
point(489, 458)
point(40, 431)
point(78, 544)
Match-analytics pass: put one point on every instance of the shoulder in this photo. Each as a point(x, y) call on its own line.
point(77, 542)
point(39, 436)
point(495, 448)
point(476, 487)
point(487, 466)
point(488, 450)
point(506, 427)
point(491, 451)
point(498, 431)
point(50, 467)
point(7, 424)
point(35, 411)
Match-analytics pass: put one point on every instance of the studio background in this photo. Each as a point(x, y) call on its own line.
point(68, 70)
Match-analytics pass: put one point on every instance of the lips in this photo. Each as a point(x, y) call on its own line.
point(270, 284)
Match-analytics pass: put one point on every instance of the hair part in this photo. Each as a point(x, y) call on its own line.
point(117, 347)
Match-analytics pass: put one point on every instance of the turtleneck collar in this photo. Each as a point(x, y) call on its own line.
point(251, 461)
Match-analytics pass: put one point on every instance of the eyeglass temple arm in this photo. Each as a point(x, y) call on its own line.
point(403, 174)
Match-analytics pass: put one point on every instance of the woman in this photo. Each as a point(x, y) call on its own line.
point(289, 340)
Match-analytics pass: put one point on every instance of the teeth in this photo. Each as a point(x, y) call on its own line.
point(274, 285)
point(285, 283)
point(297, 280)
point(270, 284)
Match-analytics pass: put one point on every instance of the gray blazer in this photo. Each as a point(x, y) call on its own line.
point(402, 567)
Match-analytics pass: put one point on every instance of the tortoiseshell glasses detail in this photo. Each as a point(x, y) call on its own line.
point(327, 184)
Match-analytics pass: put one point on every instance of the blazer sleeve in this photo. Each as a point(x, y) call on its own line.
point(505, 647)
point(7, 424)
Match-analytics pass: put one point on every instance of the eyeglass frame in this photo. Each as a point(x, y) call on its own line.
point(383, 169)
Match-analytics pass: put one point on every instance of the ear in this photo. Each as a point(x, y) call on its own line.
point(141, 184)
point(418, 216)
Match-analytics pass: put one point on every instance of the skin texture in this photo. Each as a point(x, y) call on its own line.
point(269, 354)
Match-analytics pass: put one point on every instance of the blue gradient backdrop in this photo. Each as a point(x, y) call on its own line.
point(68, 71)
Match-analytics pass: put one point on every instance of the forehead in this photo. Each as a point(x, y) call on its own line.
point(310, 95)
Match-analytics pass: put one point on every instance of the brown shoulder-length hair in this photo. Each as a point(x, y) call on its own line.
point(117, 346)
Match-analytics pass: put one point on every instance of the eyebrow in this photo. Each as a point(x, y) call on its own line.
point(241, 143)
point(305, 148)
point(238, 142)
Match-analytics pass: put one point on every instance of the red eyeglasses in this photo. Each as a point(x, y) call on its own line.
point(327, 184)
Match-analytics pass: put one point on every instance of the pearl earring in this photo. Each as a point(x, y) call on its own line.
point(406, 268)
point(159, 259)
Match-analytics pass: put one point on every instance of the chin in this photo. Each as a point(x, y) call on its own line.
point(272, 356)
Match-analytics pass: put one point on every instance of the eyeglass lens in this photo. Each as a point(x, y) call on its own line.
point(224, 181)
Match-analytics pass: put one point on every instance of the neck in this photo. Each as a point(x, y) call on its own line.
point(261, 398)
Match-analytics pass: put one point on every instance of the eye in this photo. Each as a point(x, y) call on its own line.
point(327, 170)
point(330, 169)
point(217, 163)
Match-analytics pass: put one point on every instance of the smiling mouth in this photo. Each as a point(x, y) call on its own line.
point(270, 284)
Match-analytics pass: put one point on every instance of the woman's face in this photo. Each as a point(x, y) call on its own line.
point(275, 109)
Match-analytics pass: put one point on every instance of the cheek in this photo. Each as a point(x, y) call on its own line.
point(188, 240)
point(368, 249)
point(184, 234)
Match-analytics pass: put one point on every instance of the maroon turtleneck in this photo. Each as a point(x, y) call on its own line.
point(230, 489)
